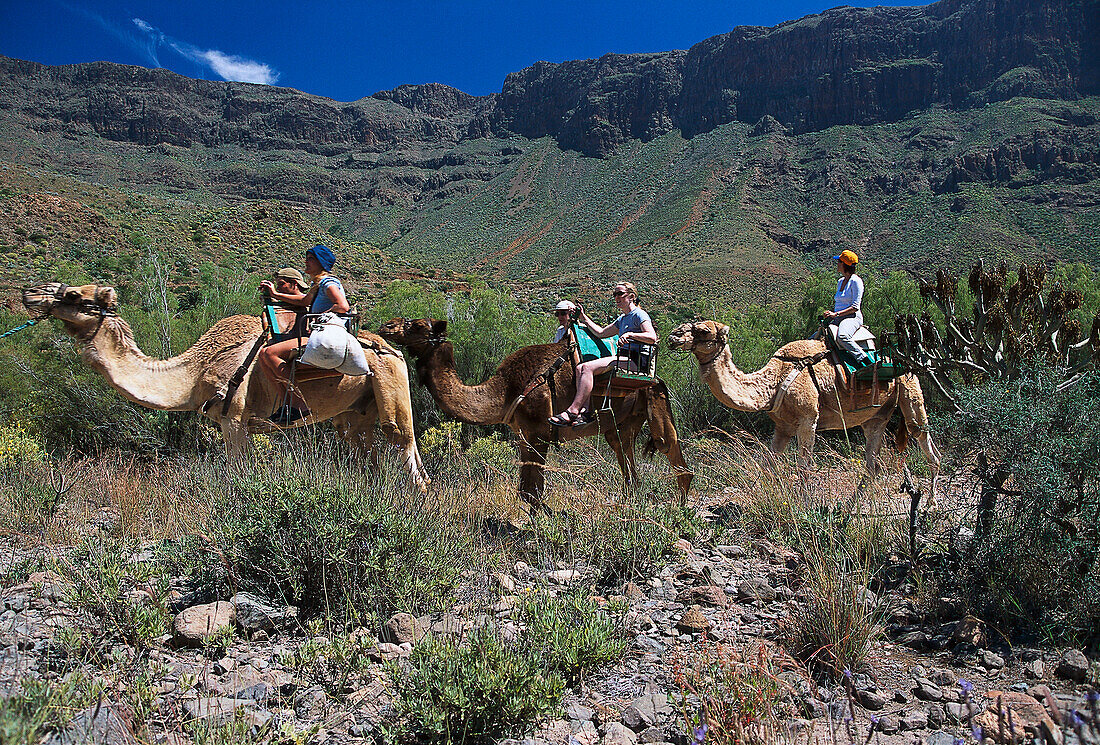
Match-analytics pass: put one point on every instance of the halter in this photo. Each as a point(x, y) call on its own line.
point(91, 307)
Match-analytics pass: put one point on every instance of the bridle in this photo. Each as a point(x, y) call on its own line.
point(91, 307)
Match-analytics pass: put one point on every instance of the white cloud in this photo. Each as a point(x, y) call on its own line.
point(226, 66)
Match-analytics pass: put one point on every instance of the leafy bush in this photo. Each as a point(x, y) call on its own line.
point(332, 544)
point(1034, 560)
point(473, 693)
point(570, 633)
point(38, 707)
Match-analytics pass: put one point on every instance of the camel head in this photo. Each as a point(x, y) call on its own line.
point(414, 333)
point(80, 309)
point(702, 336)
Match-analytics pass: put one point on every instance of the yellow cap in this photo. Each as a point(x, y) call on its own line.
point(848, 257)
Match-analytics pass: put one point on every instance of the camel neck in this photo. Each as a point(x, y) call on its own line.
point(735, 388)
point(158, 384)
point(475, 404)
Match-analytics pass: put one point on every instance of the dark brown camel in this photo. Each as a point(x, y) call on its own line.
point(494, 402)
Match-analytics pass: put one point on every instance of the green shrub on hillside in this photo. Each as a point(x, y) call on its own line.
point(1034, 563)
point(473, 692)
point(570, 633)
point(333, 544)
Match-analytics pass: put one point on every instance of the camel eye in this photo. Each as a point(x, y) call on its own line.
point(73, 296)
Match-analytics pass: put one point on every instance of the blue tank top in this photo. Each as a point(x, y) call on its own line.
point(322, 302)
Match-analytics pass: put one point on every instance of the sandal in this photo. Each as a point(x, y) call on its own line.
point(584, 419)
point(287, 415)
point(564, 419)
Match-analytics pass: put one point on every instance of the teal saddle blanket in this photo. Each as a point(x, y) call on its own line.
point(592, 347)
point(878, 367)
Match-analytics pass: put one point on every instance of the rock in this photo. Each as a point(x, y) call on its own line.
point(225, 665)
point(258, 692)
point(912, 720)
point(651, 735)
point(914, 639)
point(256, 614)
point(888, 724)
point(403, 628)
point(647, 711)
point(1073, 665)
point(221, 709)
point(632, 591)
point(311, 703)
point(956, 712)
point(990, 661)
point(756, 588)
point(731, 551)
point(969, 630)
point(812, 707)
point(194, 626)
point(1027, 715)
point(870, 700)
point(939, 737)
point(106, 724)
point(506, 584)
point(577, 713)
point(564, 576)
point(926, 690)
point(708, 595)
point(693, 622)
point(1034, 669)
point(617, 733)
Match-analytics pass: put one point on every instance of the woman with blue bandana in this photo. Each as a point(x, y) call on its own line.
point(327, 294)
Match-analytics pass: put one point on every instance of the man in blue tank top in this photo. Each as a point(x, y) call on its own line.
point(634, 328)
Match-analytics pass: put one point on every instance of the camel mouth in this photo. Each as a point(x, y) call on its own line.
point(40, 299)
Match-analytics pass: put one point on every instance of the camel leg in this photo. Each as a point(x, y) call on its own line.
point(238, 445)
point(663, 438)
point(532, 475)
point(627, 465)
point(873, 430)
point(395, 417)
point(781, 438)
point(806, 433)
point(357, 429)
point(911, 402)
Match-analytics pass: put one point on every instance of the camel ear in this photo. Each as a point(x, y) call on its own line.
point(723, 334)
point(439, 328)
point(107, 298)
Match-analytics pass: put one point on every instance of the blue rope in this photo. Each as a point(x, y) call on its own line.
point(28, 324)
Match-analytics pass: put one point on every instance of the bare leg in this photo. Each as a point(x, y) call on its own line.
point(586, 373)
point(273, 362)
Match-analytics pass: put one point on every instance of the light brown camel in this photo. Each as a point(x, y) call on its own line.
point(187, 381)
point(808, 405)
point(492, 402)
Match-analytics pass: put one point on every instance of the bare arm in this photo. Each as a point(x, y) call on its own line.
point(291, 298)
point(648, 335)
point(339, 299)
point(601, 332)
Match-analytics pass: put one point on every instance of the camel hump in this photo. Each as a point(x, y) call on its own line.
point(377, 344)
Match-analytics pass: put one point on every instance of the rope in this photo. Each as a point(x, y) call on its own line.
point(28, 324)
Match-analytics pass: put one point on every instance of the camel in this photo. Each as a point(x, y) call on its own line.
point(494, 401)
point(190, 380)
point(813, 402)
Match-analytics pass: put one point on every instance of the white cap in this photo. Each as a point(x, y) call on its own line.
point(565, 305)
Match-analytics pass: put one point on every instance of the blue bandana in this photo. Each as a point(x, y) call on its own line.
point(324, 255)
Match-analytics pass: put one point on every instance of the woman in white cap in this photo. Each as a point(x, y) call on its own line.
point(561, 312)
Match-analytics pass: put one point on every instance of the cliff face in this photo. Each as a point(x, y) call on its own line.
point(844, 66)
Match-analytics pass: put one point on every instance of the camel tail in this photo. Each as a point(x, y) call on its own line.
point(901, 435)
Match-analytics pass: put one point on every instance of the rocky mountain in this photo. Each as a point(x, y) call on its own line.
point(909, 133)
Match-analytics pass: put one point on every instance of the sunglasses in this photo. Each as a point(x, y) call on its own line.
point(617, 293)
point(561, 312)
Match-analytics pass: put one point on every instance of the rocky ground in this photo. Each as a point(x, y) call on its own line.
point(248, 659)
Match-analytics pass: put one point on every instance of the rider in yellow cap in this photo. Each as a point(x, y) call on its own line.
point(846, 313)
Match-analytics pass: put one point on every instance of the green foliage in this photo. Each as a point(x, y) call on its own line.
point(334, 663)
point(1034, 562)
point(622, 544)
point(127, 599)
point(330, 543)
point(570, 633)
point(38, 707)
point(477, 692)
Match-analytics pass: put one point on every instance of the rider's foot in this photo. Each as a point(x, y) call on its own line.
point(285, 415)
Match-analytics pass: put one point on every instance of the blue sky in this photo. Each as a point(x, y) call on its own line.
point(347, 50)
